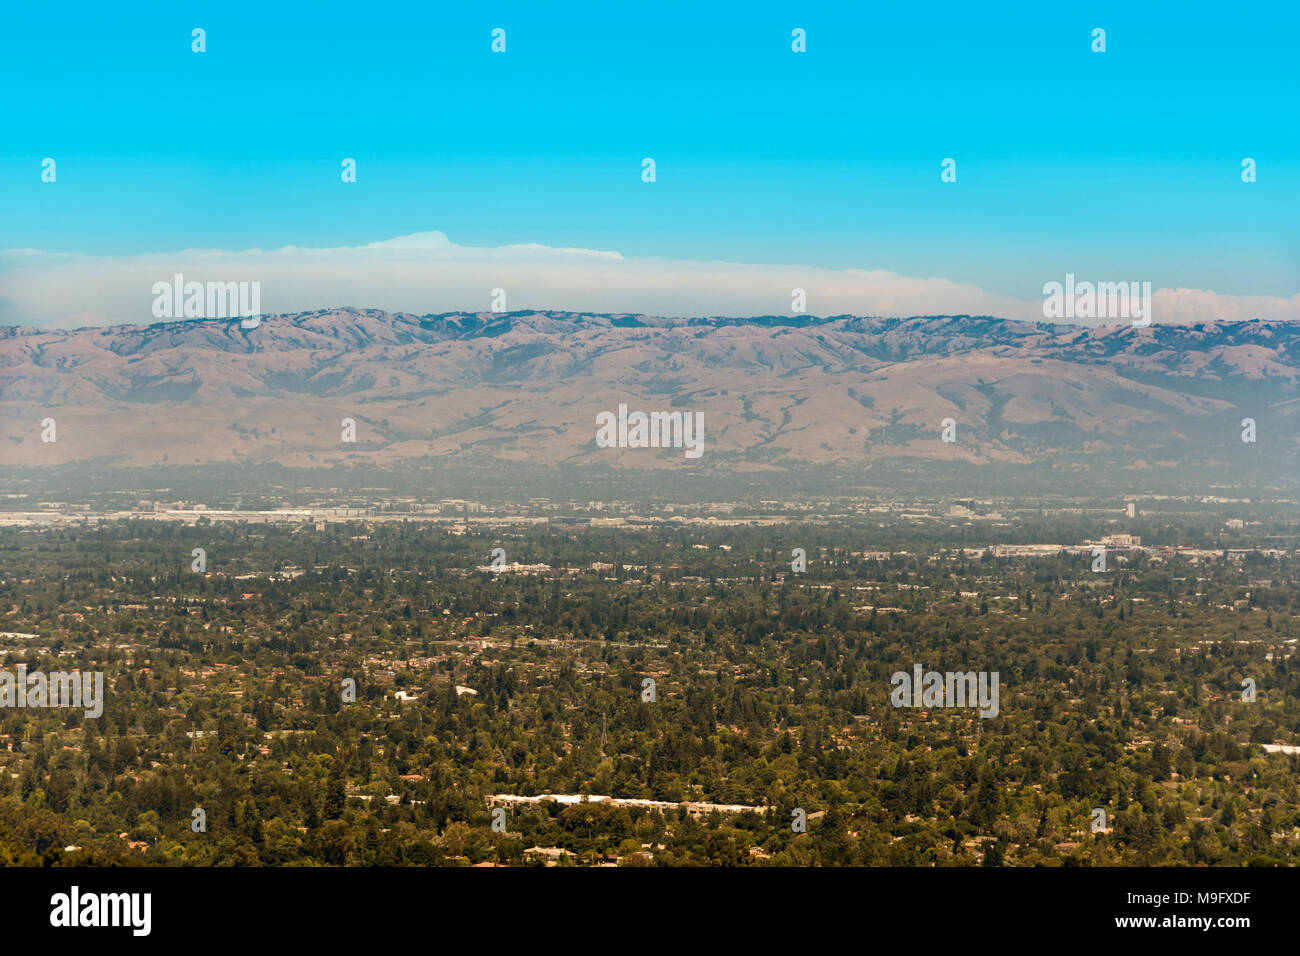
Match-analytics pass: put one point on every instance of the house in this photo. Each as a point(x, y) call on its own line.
point(551, 854)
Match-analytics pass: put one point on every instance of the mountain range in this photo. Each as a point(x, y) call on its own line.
point(776, 392)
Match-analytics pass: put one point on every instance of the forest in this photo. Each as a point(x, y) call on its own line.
point(358, 695)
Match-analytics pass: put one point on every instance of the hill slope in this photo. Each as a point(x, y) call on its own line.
point(775, 392)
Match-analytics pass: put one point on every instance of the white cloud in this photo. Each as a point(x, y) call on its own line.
point(1200, 305)
point(427, 273)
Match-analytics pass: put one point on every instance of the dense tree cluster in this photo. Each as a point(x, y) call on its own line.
point(226, 691)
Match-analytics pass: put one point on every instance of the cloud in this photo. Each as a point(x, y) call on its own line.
point(427, 273)
point(1200, 305)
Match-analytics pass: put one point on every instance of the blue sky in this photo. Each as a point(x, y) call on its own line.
point(1123, 165)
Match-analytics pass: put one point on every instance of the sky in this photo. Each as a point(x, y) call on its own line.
point(1122, 165)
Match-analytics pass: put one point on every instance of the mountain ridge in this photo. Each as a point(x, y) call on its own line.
point(776, 391)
